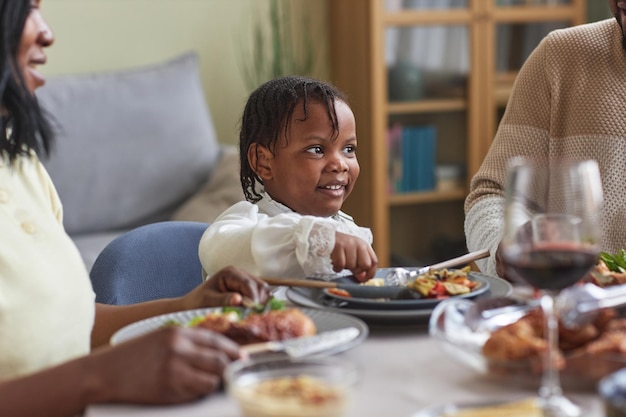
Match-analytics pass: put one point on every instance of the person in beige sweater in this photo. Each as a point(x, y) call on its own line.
point(568, 100)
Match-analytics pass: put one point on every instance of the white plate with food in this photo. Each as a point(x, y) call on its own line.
point(324, 321)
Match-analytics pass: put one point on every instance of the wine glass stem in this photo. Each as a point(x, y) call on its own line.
point(550, 383)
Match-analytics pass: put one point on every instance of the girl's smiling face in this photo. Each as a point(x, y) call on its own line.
point(36, 36)
point(313, 171)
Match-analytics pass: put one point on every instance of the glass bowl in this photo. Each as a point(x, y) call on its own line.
point(285, 387)
point(612, 389)
point(580, 370)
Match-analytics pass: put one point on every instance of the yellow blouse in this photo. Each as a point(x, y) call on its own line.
point(46, 300)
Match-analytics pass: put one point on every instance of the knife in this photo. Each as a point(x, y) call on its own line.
point(308, 345)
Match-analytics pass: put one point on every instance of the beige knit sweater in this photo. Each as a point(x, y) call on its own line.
point(569, 99)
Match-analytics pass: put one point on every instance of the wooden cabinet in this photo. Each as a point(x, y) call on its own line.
point(445, 64)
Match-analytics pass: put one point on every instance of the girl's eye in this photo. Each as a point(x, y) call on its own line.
point(315, 150)
point(350, 149)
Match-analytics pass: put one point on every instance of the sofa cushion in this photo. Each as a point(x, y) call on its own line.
point(131, 145)
point(222, 190)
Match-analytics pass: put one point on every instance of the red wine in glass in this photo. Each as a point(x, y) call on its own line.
point(550, 241)
point(551, 267)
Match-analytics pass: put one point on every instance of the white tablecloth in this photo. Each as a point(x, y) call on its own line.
point(404, 370)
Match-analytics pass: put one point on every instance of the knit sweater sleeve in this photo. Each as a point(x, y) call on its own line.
point(523, 131)
point(483, 229)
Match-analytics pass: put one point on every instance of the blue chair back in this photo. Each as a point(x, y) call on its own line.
point(158, 260)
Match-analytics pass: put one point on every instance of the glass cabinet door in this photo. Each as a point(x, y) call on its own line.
point(427, 70)
point(427, 62)
point(515, 42)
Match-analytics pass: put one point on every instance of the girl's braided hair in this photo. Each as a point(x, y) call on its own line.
point(267, 115)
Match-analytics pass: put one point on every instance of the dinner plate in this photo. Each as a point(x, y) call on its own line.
point(315, 298)
point(357, 300)
point(324, 321)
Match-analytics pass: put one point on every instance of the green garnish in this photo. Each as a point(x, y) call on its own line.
point(272, 304)
point(276, 304)
point(195, 321)
point(236, 310)
point(615, 263)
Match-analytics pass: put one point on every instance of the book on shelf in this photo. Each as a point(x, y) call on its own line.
point(412, 158)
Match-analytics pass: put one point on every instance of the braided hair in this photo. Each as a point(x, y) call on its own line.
point(267, 115)
point(23, 126)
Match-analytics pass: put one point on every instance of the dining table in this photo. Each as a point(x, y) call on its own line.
point(403, 371)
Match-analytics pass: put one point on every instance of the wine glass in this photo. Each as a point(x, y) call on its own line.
point(550, 242)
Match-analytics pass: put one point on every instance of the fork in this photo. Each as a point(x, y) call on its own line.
point(401, 276)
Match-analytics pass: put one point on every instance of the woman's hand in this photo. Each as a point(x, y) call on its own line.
point(355, 254)
point(171, 365)
point(226, 288)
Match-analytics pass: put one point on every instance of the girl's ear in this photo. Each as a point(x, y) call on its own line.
point(259, 158)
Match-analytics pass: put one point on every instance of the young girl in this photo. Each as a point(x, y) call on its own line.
point(298, 165)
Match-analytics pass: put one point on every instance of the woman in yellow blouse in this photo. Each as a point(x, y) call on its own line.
point(53, 358)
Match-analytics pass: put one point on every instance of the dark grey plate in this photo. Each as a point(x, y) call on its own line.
point(404, 300)
point(310, 297)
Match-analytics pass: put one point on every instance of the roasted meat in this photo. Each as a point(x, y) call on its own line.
point(270, 326)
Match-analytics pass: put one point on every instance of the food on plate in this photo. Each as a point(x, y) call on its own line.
point(278, 324)
point(339, 292)
point(442, 283)
point(434, 284)
point(610, 270)
point(375, 282)
point(523, 408)
point(289, 396)
point(518, 347)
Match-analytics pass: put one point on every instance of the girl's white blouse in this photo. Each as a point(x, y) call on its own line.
point(269, 239)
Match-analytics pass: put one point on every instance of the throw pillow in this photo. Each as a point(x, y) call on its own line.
point(131, 145)
point(222, 190)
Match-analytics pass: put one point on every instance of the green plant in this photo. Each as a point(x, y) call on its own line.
point(281, 43)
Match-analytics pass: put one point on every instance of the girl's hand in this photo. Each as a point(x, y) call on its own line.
point(226, 288)
point(355, 254)
point(171, 365)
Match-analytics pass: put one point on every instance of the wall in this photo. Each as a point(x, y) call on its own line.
point(97, 35)
point(597, 10)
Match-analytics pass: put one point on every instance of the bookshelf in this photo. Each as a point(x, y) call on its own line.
point(448, 64)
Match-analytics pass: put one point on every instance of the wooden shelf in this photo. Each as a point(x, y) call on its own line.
point(533, 14)
point(427, 197)
point(427, 106)
point(465, 111)
point(414, 17)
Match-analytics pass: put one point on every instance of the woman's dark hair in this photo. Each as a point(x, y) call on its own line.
point(23, 126)
point(267, 115)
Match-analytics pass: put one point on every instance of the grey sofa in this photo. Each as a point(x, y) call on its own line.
point(135, 147)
